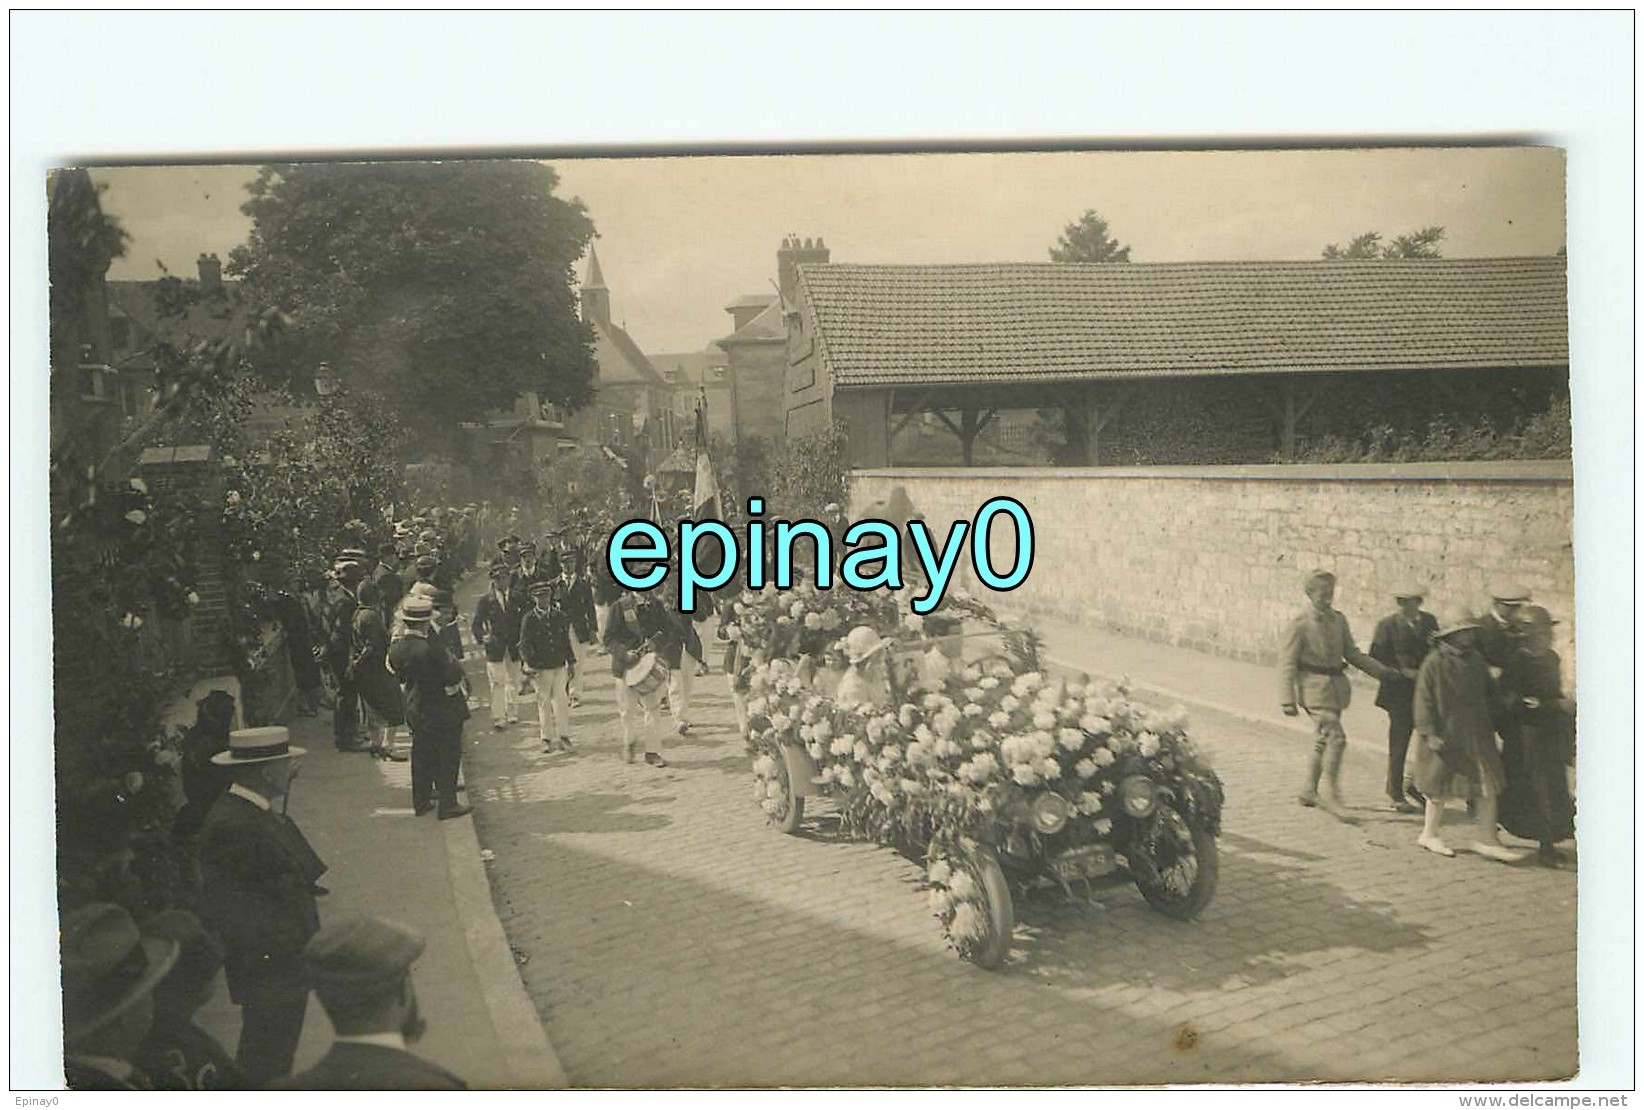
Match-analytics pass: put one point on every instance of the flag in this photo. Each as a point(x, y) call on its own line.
point(705, 502)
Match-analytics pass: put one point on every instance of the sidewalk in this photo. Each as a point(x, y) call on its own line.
point(1247, 691)
point(356, 811)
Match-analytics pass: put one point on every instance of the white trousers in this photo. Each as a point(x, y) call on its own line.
point(579, 652)
point(631, 705)
point(502, 678)
point(553, 707)
point(679, 691)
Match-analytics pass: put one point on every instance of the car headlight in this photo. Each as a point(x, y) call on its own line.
point(1050, 812)
point(1138, 795)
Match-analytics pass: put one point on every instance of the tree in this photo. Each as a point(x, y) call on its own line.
point(444, 287)
point(1418, 244)
point(1087, 240)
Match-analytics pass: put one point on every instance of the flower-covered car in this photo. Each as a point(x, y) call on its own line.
point(942, 736)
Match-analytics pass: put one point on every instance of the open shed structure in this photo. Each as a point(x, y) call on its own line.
point(1203, 362)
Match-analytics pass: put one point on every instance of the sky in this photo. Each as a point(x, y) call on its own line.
point(681, 238)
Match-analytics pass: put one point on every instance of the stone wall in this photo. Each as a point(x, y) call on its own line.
point(1213, 557)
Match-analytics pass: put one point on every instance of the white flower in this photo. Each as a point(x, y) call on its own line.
point(846, 778)
point(256, 556)
point(1024, 774)
point(817, 751)
point(974, 710)
point(1103, 826)
point(784, 620)
point(988, 682)
point(940, 902)
point(233, 497)
point(916, 753)
point(813, 621)
point(1050, 769)
point(1070, 738)
point(980, 768)
point(1085, 768)
point(876, 729)
point(1149, 744)
point(1107, 787)
point(797, 609)
point(1009, 703)
point(136, 516)
point(842, 745)
point(192, 598)
point(1075, 690)
point(822, 730)
point(139, 485)
point(998, 718)
point(967, 922)
point(906, 715)
point(923, 734)
point(1044, 720)
point(1095, 725)
point(1103, 757)
point(962, 886)
point(1089, 803)
point(764, 766)
point(860, 752)
point(1027, 683)
point(939, 872)
point(132, 621)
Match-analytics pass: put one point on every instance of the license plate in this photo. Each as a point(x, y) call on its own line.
point(1090, 862)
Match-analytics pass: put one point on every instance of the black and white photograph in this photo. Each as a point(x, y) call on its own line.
point(1051, 616)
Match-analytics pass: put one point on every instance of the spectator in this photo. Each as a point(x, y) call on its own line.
point(1457, 756)
point(361, 971)
point(1536, 803)
point(110, 971)
point(1401, 641)
point(260, 882)
point(435, 708)
point(177, 1055)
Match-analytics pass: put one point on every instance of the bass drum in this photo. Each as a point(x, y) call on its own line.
point(1175, 864)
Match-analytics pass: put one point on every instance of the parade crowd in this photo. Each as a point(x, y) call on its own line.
point(1481, 697)
point(379, 640)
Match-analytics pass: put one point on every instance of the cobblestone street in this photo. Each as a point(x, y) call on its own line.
point(670, 937)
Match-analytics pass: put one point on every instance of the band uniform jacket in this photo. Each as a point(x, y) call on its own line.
point(663, 629)
point(258, 875)
point(1400, 644)
point(1313, 661)
point(545, 640)
point(496, 624)
point(621, 641)
point(350, 1066)
point(578, 601)
point(432, 681)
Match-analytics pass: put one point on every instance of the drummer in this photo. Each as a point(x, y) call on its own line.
point(641, 679)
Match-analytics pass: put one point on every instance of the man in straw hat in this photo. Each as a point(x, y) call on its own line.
point(361, 971)
point(1401, 641)
point(1457, 756)
point(1313, 661)
point(435, 708)
point(110, 971)
point(259, 883)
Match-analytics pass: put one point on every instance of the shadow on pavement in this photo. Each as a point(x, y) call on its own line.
point(596, 813)
point(1265, 923)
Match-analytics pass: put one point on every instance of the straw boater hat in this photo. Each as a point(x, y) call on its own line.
point(1454, 620)
point(418, 609)
point(1409, 588)
point(257, 745)
point(862, 643)
point(1510, 592)
point(422, 589)
point(108, 965)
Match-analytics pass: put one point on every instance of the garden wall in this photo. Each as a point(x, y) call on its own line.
point(1213, 558)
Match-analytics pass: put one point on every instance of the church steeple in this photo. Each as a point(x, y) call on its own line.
point(596, 298)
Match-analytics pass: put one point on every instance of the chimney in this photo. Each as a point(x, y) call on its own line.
point(794, 252)
point(211, 273)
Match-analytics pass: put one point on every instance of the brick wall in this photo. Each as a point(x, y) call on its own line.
point(1213, 557)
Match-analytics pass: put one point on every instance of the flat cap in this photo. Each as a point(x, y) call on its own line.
point(1409, 588)
point(1509, 591)
point(361, 954)
point(1318, 575)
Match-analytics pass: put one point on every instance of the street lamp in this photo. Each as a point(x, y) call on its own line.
point(326, 383)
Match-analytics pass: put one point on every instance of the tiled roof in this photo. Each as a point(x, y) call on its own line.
point(768, 325)
point(887, 325)
point(620, 360)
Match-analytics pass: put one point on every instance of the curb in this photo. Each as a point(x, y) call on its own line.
point(532, 1062)
point(533, 1065)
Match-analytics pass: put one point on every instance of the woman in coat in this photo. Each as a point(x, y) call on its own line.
point(1457, 756)
point(1536, 804)
point(368, 670)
